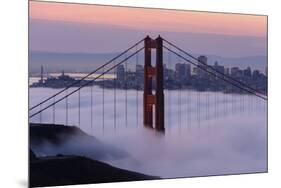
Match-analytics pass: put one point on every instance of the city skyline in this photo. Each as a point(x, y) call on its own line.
point(180, 76)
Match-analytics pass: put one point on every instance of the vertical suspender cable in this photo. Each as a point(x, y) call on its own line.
point(248, 103)
point(91, 108)
point(137, 87)
point(169, 91)
point(114, 97)
point(190, 107)
point(240, 100)
point(66, 108)
point(251, 108)
point(40, 115)
point(206, 104)
point(224, 103)
point(197, 102)
point(216, 101)
point(126, 92)
point(232, 99)
point(187, 107)
point(102, 100)
point(179, 97)
point(79, 107)
point(243, 101)
point(54, 112)
point(199, 108)
point(227, 101)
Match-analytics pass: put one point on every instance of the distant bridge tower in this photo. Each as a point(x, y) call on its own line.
point(150, 99)
point(41, 75)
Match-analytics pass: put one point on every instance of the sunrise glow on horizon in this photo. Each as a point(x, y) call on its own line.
point(152, 19)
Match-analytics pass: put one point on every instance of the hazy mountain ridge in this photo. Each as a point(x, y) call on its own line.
point(86, 62)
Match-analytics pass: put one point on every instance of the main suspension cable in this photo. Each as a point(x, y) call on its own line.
point(213, 68)
point(78, 81)
point(87, 83)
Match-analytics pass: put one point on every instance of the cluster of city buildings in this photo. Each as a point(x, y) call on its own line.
point(202, 78)
point(60, 81)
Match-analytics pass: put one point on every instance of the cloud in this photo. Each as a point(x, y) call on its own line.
point(228, 139)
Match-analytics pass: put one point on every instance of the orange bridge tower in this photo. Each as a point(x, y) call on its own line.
point(151, 100)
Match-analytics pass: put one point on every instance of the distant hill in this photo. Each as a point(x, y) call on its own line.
point(86, 62)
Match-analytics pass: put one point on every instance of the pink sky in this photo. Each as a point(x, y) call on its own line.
point(152, 19)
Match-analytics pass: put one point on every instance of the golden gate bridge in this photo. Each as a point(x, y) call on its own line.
point(153, 85)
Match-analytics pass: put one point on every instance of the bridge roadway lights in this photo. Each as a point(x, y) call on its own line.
point(157, 99)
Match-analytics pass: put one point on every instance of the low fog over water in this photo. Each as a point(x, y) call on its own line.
point(207, 133)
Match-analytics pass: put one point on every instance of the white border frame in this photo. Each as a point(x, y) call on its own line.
point(13, 98)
